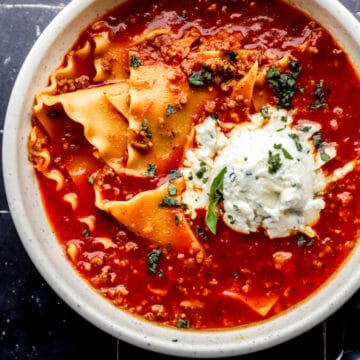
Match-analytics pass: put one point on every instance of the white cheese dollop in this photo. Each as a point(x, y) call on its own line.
point(273, 179)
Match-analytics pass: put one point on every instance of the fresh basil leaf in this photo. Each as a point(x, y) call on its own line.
point(215, 196)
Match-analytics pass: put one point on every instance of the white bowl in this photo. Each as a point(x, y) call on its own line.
point(45, 252)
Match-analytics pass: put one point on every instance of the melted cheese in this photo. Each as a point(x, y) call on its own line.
point(273, 177)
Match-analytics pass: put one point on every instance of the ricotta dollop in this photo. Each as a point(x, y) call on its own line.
point(273, 179)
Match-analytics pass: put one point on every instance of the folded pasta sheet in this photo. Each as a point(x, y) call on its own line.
point(104, 126)
point(155, 216)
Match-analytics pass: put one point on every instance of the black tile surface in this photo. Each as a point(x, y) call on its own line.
point(34, 322)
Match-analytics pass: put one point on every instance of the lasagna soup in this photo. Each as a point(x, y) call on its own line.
point(198, 160)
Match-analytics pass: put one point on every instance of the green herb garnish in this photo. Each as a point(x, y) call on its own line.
point(196, 79)
point(265, 112)
point(151, 171)
point(174, 174)
point(185, 324)
point(146, 128)
point(153, 260)
point(168, 201)
point(284, 84)
point(296, 139)
point(200, 78)
point(324, 156)
point(135, 62)
point(215, 196)
point(317, 139)
point(172, 191)
point(304, 128)
point(200, 173)
point(318, 142)
point(319, 95)
point(274, 162)
point(304, 241)
point(286, 154)
point(170, 110)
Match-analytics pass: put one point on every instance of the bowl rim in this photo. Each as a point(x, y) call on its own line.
point(38, 240)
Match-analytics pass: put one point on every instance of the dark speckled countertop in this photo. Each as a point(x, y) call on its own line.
point(34, 322)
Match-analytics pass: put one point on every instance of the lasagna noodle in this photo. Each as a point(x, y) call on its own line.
point(161, 225)
point(110, 60)
point(244, 88)
point(67, 72)
point(104, 126)
point(153, 88)
point(262, 304)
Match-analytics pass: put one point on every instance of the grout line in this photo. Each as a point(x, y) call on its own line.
point(117, 349)
point(324, 336)
point(31, 6)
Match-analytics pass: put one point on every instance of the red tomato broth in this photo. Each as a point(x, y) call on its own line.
point(238, 262)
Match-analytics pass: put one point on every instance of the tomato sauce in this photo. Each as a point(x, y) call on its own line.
point(184, 293)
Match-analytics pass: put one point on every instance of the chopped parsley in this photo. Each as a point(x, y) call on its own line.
point(304, 241)
point(319, 94)
point(286, 154)
point(135, 62)
point(274, 162)
point(200, 78)
point(200, 173)
point(172, 191)
point(168, 201)
point(145, 127)
point(304, 128)
point(91, 180)
point(318, 142)
point(296, 139)
point(265, 112)
point(151, 171)
point(153, 260)
point(184, 324)
point(318, 139)
point(174, 174)
point(170, 110)
point(324, 156)
point(284, 84)
point(196, 79)
point(231, 219)
point(215, 196)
